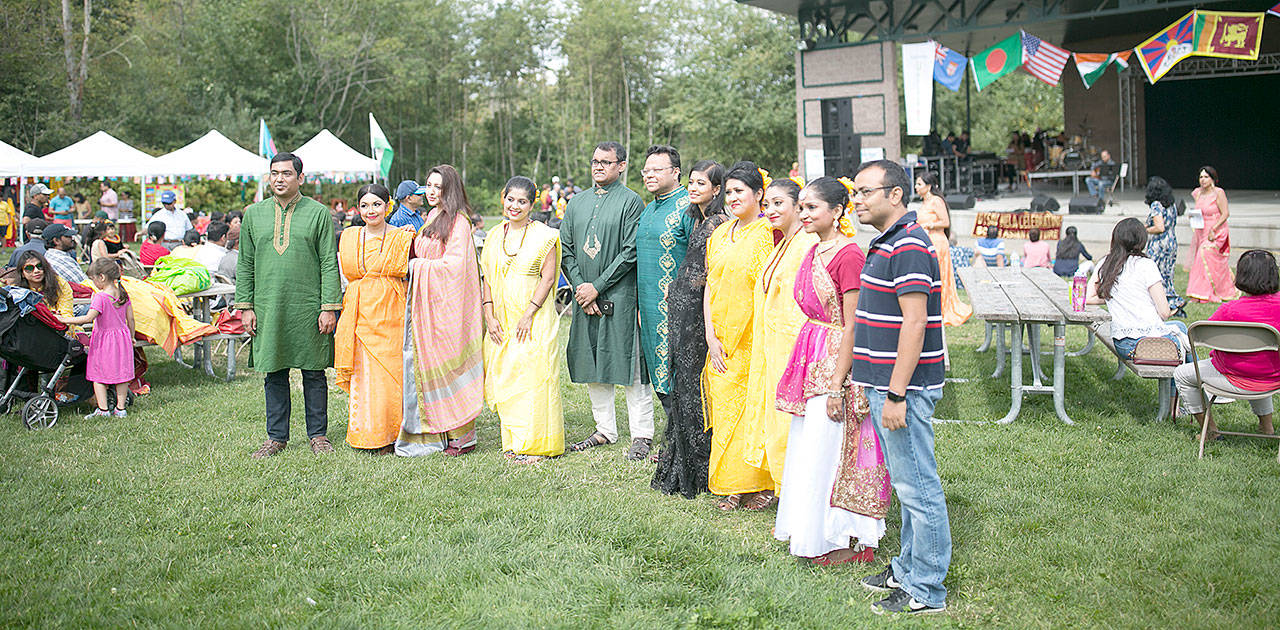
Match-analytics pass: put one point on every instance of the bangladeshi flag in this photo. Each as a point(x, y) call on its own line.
point(1227, 34)
point(997, 61)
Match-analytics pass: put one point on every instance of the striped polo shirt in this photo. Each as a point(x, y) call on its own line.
point(899, 261)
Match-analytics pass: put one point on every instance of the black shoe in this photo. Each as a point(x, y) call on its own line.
point(881, 582)
point(901, 602)
point(639, 449)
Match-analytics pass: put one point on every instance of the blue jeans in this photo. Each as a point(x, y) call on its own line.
point(1126, 345)
point(1097, 186)
point(925, 556)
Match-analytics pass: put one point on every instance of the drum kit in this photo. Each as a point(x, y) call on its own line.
point(1075, 154)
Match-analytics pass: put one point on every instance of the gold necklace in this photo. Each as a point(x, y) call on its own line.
point(773, 265)
point(523, 234)
point(361, 263)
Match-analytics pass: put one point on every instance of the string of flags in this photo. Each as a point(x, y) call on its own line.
point(1227, 34)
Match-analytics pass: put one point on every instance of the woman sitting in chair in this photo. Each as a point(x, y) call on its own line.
point(1246, 372)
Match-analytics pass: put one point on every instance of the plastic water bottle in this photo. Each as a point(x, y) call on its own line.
point(1079, 288)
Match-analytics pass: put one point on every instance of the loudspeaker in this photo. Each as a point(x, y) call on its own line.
point(960, 201)
point(1041, 202)
point(841, 148)
point(1086, 204)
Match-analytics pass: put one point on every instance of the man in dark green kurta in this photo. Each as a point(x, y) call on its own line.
point(598, 236)
point(289, 296)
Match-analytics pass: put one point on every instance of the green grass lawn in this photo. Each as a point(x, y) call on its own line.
point(162, 519)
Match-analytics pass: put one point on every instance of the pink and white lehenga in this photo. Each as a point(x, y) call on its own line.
point(835, 486)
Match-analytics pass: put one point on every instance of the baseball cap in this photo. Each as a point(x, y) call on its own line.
point(406, 188)
point(168, 197)
point(35, 227)
point(40, 189)
point(55, 231)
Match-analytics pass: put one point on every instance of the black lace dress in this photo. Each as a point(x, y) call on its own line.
point(686, 447)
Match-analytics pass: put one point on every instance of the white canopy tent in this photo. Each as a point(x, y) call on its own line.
point(99, 155)
point(210, 156)
point(13, 160)
point(326, 155)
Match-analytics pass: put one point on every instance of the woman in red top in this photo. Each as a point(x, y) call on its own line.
point(152, 248)
point(1244, 372)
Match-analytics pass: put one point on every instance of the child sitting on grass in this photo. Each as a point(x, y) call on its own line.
point(1035, 253)
point(991, 248)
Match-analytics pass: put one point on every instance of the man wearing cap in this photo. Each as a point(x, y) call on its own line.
point(176, 222)
point(411, 210)
point(35, 231)
point(61, 205)
point(38, 200)
point(60, 247)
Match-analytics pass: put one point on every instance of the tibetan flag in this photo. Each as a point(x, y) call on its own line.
point(1230, 35)
point(997, 61)
point(1044, 61)
point(1093, 65)
point(382, 151)
point(948, 67)
point(1166, 48)
point(266, 146)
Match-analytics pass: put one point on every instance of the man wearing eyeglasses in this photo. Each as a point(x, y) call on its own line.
point(898, 361)
point(662, 238)
point(598, 238)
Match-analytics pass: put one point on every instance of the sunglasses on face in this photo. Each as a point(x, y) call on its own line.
point(33, 267)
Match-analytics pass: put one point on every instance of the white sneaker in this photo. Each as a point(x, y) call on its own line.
point(98, 413)
point(120, 413)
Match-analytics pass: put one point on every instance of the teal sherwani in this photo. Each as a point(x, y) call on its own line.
point(598, 238)
point(662, 239)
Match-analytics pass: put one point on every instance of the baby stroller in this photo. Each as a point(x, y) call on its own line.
point(30, 347)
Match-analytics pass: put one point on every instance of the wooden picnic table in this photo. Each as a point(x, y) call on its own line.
point(1017, 297)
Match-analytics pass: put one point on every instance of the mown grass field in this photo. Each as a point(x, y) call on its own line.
point(161, 519)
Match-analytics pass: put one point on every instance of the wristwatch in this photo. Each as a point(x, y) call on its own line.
point(895, 397)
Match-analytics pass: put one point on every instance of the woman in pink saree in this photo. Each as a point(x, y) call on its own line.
point(835, 486)
point(1211, 279)
point(443, 340)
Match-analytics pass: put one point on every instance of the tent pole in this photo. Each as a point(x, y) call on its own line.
point(22, 208)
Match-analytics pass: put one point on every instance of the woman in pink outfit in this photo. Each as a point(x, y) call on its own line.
point(1211, 279)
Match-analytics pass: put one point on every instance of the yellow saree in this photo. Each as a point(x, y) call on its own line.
point(776, 326)
point(522, 378)
point(367, 344)
point(736, 255)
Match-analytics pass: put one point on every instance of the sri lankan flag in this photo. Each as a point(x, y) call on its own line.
point(1228, 34)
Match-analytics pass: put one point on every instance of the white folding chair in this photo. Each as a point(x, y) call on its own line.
point(1233, 337)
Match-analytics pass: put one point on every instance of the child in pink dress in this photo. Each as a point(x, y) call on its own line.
point(111, 344)
point(1035, 253)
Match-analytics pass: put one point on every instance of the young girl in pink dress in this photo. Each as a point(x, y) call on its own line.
point(111, 344)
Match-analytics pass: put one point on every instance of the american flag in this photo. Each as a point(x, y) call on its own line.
point(1043, 60)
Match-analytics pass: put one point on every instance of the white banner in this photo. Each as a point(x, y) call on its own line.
point(917, 86)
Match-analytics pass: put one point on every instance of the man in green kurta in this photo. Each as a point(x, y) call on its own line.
point(289, 296)
point(598, 237)
point(662, 239)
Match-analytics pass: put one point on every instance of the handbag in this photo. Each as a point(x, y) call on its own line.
point(1157, 351)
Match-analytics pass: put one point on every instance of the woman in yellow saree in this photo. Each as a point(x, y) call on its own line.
point(522, 351)
point(375, 260)
point(736, 254)
point(776, 325)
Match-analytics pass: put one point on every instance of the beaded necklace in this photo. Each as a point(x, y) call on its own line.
point(523, 234)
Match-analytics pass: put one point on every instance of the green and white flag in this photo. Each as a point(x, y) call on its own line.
point(997, 61)
point(1093, 65)
point(382, 151)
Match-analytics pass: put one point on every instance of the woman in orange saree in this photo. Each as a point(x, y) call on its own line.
point(374, 259)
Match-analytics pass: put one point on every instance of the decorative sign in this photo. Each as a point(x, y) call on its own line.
point(1018, 224)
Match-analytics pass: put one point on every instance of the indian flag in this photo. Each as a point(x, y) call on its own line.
point(382, 151)
point(1093, 65)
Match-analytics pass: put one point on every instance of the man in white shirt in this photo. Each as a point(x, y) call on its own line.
point(176, 222)
point(215, 248)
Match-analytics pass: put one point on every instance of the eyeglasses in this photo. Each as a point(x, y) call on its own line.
point(604, 162)
point(33, 267)
point(863, 193)
point(654, 171)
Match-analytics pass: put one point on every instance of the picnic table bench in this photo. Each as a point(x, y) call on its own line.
point(1017, 297)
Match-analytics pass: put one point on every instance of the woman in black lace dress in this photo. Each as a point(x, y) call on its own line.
point(686, 447)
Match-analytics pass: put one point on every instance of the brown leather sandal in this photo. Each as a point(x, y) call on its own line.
point(762, 500)
point(729, 503)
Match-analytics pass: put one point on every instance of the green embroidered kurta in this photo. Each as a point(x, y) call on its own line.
point(598, 235)
point(662, 239)
point(288, 274)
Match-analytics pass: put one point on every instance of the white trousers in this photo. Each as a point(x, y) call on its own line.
point(639, 403)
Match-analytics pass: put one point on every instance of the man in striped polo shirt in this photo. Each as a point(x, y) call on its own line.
point(898, 359)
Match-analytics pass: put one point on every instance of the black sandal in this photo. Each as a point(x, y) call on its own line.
point(592, 441)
